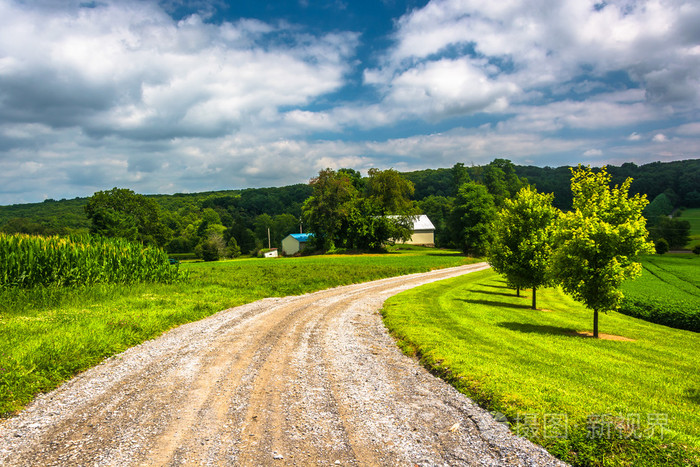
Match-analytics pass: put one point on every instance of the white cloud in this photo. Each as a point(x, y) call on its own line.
point(593, 153)
point(659, 138)
point(128, 68)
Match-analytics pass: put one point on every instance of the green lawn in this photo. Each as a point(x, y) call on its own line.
point(50, 333)
point(535, 367)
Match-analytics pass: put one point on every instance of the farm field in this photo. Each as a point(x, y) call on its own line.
point(668, 292)
point(630, 401)
point(51, 333)
point(692, 216)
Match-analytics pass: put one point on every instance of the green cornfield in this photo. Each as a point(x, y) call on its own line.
point(29, 261)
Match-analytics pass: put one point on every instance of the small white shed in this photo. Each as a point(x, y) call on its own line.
point(294, 243)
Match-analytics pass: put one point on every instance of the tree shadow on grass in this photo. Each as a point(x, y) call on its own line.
point(538, 328)
point(494, 303)
point(693, 394)
point(496, 286)
point(502, 294)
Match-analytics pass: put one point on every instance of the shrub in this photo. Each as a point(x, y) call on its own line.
point(661, 246)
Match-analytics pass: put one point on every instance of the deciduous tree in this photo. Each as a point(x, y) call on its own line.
point(598, 241)
point(524, 240)
point(470, 220)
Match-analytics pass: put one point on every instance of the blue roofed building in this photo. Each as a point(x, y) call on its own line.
point(295, 243)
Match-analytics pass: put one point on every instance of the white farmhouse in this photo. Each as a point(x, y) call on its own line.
point(423, 232)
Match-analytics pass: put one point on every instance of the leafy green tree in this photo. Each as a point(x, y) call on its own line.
point(661, 246)
point(120, 212)
point(524, 240)
point(329, 206)
point(660, 206)
point(471, 217)
point(390, 192)
point(501, 181)
point(438, 209)
point(675, 231)
point(598, 242)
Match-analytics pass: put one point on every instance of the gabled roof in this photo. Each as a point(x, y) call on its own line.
point(302, 238)
point(422, 223)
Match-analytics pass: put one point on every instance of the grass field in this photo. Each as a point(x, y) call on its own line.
point(692, 216)
point(51, 333)
point(668, 292)
point(588, 401)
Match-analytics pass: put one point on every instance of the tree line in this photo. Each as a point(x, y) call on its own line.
point(229, 223)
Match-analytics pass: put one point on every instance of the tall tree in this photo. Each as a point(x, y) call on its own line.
point(598, 242)
point(390, 192)
point(120, 212)
point(524, 240)
point(329, 206)
point(470, 220)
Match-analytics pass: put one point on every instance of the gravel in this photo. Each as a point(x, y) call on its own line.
point(312, 379)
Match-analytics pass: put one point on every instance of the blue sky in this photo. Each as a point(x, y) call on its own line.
point(183, 96)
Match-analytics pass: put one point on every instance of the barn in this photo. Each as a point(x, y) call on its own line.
point(294, 243)
point(423, 232)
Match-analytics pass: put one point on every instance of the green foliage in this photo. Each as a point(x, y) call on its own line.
point(501, 181)
point(438, 209)
point(470, 220)
point(29, 261)
point(50, 333)
point(696, 250)
point(599, 240)
point(342, 217)
point(675, 231)
point(524, 239)
point(661, 246)
point(329, 206)
point(529, 365)
point(121, 213)
point(660, 206)
point(668, 292)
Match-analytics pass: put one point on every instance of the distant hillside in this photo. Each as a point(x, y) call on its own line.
point(682, 177)
point(679, 179)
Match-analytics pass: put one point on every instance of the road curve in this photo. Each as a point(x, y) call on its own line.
point(304, 380)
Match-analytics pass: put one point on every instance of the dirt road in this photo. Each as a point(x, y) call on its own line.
point(308, 380)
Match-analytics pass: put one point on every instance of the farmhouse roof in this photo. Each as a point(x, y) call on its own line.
point(422, 223)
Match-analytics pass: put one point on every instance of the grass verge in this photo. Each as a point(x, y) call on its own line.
point(51, 333)
point(588, 401)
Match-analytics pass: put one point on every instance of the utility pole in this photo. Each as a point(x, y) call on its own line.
point(269, 244)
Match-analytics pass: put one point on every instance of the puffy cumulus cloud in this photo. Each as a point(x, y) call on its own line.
point(541, 43)
point(128, 68)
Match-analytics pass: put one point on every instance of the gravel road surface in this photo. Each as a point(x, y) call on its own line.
point(306, 380)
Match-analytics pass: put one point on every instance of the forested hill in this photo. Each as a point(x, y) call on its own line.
point(247, 214)
point(682, 178)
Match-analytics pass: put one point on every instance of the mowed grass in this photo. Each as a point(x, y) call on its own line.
point(588, 401)
point(51, 333)
point(668, 292)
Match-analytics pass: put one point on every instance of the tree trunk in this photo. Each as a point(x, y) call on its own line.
point(517, 291)
point(534, 298)
point(595, 323)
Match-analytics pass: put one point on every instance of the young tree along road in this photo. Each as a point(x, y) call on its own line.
point(284, 381)
point(599, 241)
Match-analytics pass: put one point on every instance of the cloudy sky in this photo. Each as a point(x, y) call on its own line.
point(197, 95)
